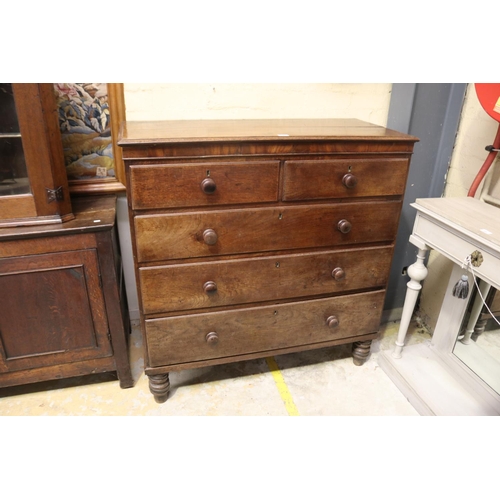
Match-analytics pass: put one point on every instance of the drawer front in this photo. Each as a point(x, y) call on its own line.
point(196, 337)
point(200, 234)
point(241, 281)
point(458, 247)
point(203, 184)
point(322, 179)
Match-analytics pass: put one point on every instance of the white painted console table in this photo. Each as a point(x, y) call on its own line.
point(434, 380)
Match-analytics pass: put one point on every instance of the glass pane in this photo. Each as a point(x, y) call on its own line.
point(478, 343)
point(13, 173)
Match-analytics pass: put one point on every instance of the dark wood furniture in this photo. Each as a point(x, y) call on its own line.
point(33, 180)
point(62, 303)
point(260, 237)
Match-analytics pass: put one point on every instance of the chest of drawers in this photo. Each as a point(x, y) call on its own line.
point(253, 238)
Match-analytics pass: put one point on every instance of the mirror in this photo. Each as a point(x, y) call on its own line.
point(13, 173)
point(478, 343)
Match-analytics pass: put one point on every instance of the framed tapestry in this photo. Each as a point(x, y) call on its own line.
point(89, 118)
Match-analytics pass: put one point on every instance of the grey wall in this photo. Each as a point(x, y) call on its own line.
point(430, 111)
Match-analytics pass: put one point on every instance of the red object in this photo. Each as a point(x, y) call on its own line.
point(489, 97)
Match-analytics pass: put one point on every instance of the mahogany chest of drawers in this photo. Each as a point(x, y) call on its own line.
point(253, 238)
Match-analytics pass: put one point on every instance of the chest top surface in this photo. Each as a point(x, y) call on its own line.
point(175, 131)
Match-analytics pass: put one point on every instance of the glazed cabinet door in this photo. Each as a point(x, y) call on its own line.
point(33, 181)
point(52, 310)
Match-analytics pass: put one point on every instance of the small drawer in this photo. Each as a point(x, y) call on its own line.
point(242, 281)
point(323, 179)
point(239, 231)
point(203, 184)
point(184, 339)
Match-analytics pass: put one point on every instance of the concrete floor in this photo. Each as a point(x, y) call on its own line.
point(313, 383)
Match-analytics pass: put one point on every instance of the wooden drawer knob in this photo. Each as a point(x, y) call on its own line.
point(338, 274)
point(212, 338)
point(349, 180)
point(344, 226)
point(210, 286)
point(332, 321)
point(210, 237)
point(208, 185)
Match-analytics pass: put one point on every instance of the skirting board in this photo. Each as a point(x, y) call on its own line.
point(429, 384)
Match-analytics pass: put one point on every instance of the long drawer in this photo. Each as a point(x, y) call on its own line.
point(240, 281)
point(225, 232)
point(322, 179)
point(196, 337)
point(203, 184)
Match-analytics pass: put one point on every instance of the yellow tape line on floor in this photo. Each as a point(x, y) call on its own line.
point(282, 388)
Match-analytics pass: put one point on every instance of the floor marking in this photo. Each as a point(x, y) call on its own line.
point(282, 388)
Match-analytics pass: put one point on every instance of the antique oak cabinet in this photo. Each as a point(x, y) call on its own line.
point(62, 304)
point(260, 237)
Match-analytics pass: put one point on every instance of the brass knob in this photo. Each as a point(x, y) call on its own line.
point(208, 185)
point(344, 226)
point(332, 322)
point(210, 237)
point(349, 180)
point(338, 274)
point(210, 286)
point(212, 338)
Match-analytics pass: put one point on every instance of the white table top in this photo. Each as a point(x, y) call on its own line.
point(470, 214)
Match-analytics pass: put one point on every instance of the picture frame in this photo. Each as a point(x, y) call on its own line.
point(90, 123)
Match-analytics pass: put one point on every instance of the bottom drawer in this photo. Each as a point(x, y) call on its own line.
point(197, 337)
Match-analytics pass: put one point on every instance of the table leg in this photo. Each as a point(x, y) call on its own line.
point(417, 273)
point(476, 311)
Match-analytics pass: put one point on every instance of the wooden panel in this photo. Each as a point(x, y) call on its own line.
point(171, 236)
point(321, 179)
point(239, 281)
point(92, 213)
point(14, 207)
point(42, 145)
point(242, 331)
point(162, 186)
point(13, 248)
point(52, 310)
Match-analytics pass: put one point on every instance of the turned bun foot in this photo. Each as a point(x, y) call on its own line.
point(361, 351)
point(159, 385)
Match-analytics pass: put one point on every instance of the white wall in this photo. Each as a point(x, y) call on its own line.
point(172, 101)
point(476, 131)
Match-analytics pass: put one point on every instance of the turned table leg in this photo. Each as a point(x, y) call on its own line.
point(361, 351)
point(159, 385)
point(484, 287)
point(417, 272)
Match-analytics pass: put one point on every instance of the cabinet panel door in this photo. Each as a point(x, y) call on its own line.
point(52, 310)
